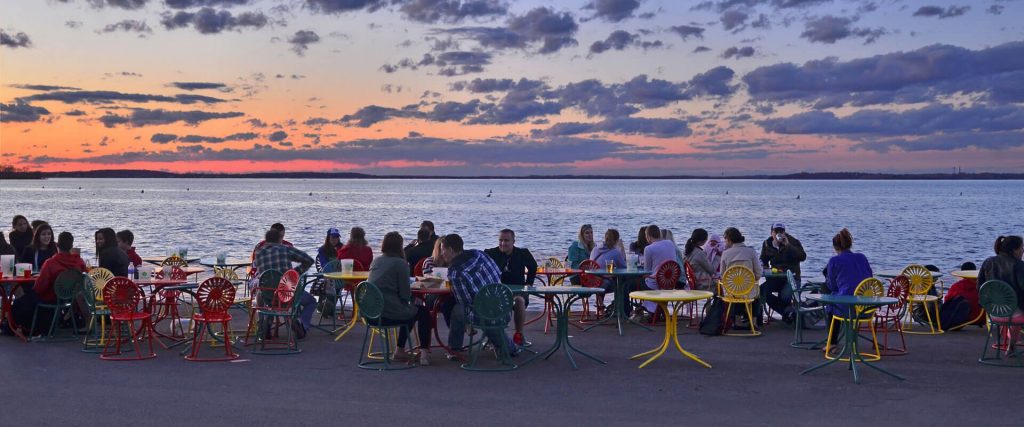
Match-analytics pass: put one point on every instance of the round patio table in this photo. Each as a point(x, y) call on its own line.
point(619, 305)
point(677, 299)
point(889, 274)
point(547, 276)
point(562, 298)
point(8, 285)
point(351, 275)
point(853, 306)
point(230, 262)
point(442, 293)
point(158, 260)
point(965, 274)
point(156, 285)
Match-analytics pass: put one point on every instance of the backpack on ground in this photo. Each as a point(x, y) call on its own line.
point(714, 318)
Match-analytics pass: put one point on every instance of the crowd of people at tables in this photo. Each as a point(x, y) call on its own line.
point(708, 255)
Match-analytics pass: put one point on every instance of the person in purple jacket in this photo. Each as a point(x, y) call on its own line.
point(844, 271)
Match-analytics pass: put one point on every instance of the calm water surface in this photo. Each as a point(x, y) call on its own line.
point(893, 222)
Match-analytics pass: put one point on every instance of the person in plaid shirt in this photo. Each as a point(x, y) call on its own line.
point(468, 271)
point(274, 255)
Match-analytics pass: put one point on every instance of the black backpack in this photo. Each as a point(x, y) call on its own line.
point(714, 318)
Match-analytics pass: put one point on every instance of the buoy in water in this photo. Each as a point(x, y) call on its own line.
point(143, 191)
point(310, 193)
point(798, 197)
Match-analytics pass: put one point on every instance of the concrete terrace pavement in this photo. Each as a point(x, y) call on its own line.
point(754, 381)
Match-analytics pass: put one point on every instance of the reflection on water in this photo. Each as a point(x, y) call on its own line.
point(893, 222)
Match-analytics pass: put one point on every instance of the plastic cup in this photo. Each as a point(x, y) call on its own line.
point(610, 267)
point(167, 272)
point(346, 266)
point(28, 272)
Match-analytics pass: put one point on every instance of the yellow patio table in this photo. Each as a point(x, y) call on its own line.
point(351, 275)
point(965, 274)
point(677, 299)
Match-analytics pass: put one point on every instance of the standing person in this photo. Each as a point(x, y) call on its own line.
point(329, 250)
point(844, 271)
point(713, 248)
point(125, 240)
point(390, 273)
point(110, 256)
point(637, 247)
point(42, 290)
point(694, 254)
point(581, 248)
point(423, 248)
point(357, 248)
point(961, 303)
point(41, 248)
point(275, 255)
point(1007, 266)
point(468, 271)
point(656, 252)
point(20, 234)
point(737, 253)
point(784, 252)
point(518, 267)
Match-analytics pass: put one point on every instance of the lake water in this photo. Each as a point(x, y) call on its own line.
point(894, 223)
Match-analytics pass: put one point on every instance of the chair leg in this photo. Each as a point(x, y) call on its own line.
point(828, 339)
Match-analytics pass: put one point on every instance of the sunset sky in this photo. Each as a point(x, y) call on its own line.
point(468, 87)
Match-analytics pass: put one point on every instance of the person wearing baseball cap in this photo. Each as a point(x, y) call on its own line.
point(783, 252)
point(329, 251)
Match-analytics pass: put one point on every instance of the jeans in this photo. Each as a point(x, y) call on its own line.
point(307, 306)
point(422, 321)
point(783, 303)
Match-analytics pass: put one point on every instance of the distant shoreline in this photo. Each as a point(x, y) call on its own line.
point(349, 175)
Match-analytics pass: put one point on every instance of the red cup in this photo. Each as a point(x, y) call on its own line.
point(28, 273)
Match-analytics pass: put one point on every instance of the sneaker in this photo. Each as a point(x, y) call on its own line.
point(400, 354)
point(424, 357)
point(299, 329)
point(455, 356)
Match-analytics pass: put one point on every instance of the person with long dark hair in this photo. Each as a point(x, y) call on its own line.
point(329, 250)
point(42, 291)
point(844, 271)
point(111, 257)
point(1008, 267)
point(20, 234)
point(390, 273)
point(357, 248)
point(41, 248)
point(693, 254)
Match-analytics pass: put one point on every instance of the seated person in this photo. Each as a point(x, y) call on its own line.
point(609, 253)
point(961, 303)
point(518, 267)
point(42, 290)
point(703, 271)
point(784, 252)
point(423, 248)
point(41, 248)
point(657, 251)
point(329, 250)
point(390, 273)
point(468, 271)
point(1007, 266)
point(357, 248)
point(737, 253)
point(111, 256)
point(275, 255)
point(5, 248)
point(582, 247)
point(125, 240)
point(20, 234)
point(844, 272)
point(276, 226)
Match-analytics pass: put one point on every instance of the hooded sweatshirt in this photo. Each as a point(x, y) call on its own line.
point(51, 269)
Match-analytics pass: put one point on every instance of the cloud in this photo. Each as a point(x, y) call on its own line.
point(342, 6)
point(107, 97)
point(277, 136)
point(738, 52)
point(947, 142)
point(142, 117)
point(900, 77)
point(924, 121)
point(201, 86)
point(658, 128)
point(21, 112)
point(700, 49)
point(164, 138)
point(714, 82)
point(455, 63)
point(829, 29)
point(620, 40)
point(73, 24)
point(42, 88)
point(686, 31)
point(14, 40)
point(996, 9)
point(733, 19)
point(75, 113)
point(119, 4)
point(730, 145)
point(451, 11)
point(301, 40)
point(950, 12)
point(210, 21)
point(128, 26)
point(551, 30)
point(188, 4)
point(612, 10)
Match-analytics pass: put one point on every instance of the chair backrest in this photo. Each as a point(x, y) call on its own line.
point(590, 280)
point(225, 273)
point(667, 275)
point(370, 301)
point(493, 303)
point(555, 262)
point(89, 293)
point(870, 287)
point(176, 274)
point(67, 285)
point(997, 298)
point(215, 295)
point(899, 288)
point(100, 276)
point(738, 281)
point(691, 276)
point(175, 261)
point(267, 284)
point(417, 270)
point(920, 279)
point(122, 295)
point(798, 297)
point(286, 288)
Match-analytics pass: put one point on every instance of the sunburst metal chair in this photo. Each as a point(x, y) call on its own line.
point(124, 298)
point(737, 287)
point(921, 282)
point(67, 286)
point(870, 287)
point(371, 309)
point(214, 297)
point(1000, 302)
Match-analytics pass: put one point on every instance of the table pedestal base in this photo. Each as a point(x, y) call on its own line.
point(561, 305)
point(671, 334)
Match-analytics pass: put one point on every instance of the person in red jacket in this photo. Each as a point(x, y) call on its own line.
point(968, 290)
point(358, 249)
point(125, 239)
point(42, 291)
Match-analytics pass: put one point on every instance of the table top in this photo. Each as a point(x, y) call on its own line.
point(430, 291)
point(683, 295)
point(181, 287)
point(554, 290)
point(889, 274)
point(557, 271)
point(19, 279)
point(852, 299)
point(157, 259)
point(965, 274)
point(619, 272)
point(160, 282)
point(230, 262)
point(768, 273)
point(353, 275)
